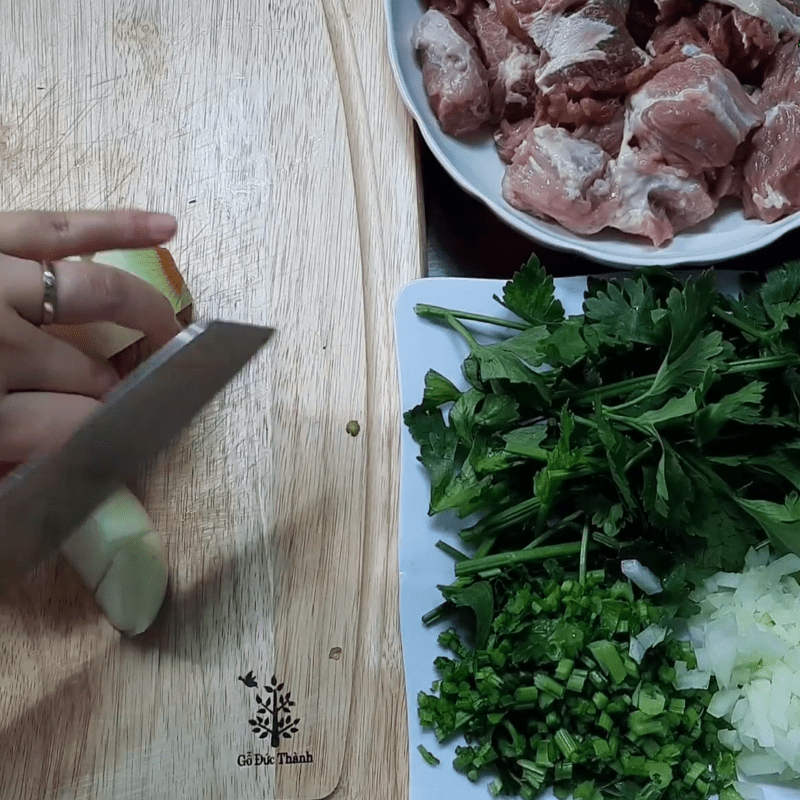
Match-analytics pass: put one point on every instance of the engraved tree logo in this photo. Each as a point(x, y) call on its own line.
point(274, 716)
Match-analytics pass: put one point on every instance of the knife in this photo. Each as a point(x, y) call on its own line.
point(45, 500)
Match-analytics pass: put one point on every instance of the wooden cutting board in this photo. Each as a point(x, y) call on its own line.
point(274, 132)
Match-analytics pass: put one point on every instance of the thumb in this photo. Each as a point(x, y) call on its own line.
point(32, 423)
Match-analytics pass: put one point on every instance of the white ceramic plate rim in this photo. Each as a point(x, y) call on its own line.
point(724, 236)
point(422, 345)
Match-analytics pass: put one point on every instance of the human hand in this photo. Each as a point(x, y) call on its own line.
point(48, 387)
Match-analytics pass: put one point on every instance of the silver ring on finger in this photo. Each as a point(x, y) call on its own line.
point(50, 296)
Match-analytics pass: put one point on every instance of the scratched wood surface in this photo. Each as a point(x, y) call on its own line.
point(274, 132)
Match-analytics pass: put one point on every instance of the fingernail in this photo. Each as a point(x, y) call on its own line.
point(162, 226)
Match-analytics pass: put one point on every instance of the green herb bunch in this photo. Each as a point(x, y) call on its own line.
point(663, 422)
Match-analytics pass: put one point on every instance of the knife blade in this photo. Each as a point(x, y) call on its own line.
point(45, 500)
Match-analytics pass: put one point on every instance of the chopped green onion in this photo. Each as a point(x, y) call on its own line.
point(565, 743)
point(564, 669)
point(577, 680)
point(609, 659)
point(546, 684)
point(429, 757)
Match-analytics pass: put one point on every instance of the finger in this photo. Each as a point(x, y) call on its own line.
point(32, 423)
point(44, 235)
point(32, 360)
point(87, 291)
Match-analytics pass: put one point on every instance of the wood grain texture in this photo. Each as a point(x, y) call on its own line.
point(274, 132)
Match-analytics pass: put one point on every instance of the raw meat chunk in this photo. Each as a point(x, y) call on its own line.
point(510, 62)
point(454, 7)
point(772, 172)
point(728, 181)
point(607, 134)
point(655, 200)
point(510, 135)
point(554, 175)
point(693, 114)
point(780, 18)
point(742, 43)
point(584, 52)
point(455, 78)
point(679, 36)
point(557, 108)
point(782, 80)
point(517, 15)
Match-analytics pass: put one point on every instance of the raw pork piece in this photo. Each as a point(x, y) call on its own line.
point(585, 52)
point(742, 43)
point(782, 80)
point(728, 181)
point(655, 200)
point(780, 18)
point(772, 172)
point(454, 7)
point(517, 15)
point(607, 134)
point(683, 37)
point(557, 108)
point(693, 114)
point(511, 64)
point(556, 176)
point(455, 78)
point(510, 135)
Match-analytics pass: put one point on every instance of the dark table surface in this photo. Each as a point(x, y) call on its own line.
point(464, 238)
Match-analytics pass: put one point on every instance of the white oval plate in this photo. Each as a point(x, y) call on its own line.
point(422, 345)
point(474, 164)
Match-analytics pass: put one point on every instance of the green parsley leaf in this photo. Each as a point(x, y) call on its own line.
point(527, 442)
point(781, 522)
point(622, 313)
point(463, 413)
point(744, 406)
point(617, 450)
point(565, 347)
point(515, 359)
point(438, 390)
point(688, 311)
point(480, 598)
point(780, 294)
point(531, 295)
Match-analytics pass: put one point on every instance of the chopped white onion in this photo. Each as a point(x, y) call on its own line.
point(638, 574)
point(746, 635)
point(649, 637)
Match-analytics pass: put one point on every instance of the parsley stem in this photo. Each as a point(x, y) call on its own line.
point(635, 459)
point(738, 323)
point(437, 312)
point(514, 515)
point(457, 555)
point(584, 554)
point(766, 362)
point(435, 614)
point(541, 538)
point(457, 326)
point(631, 384)
point(513, 559)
